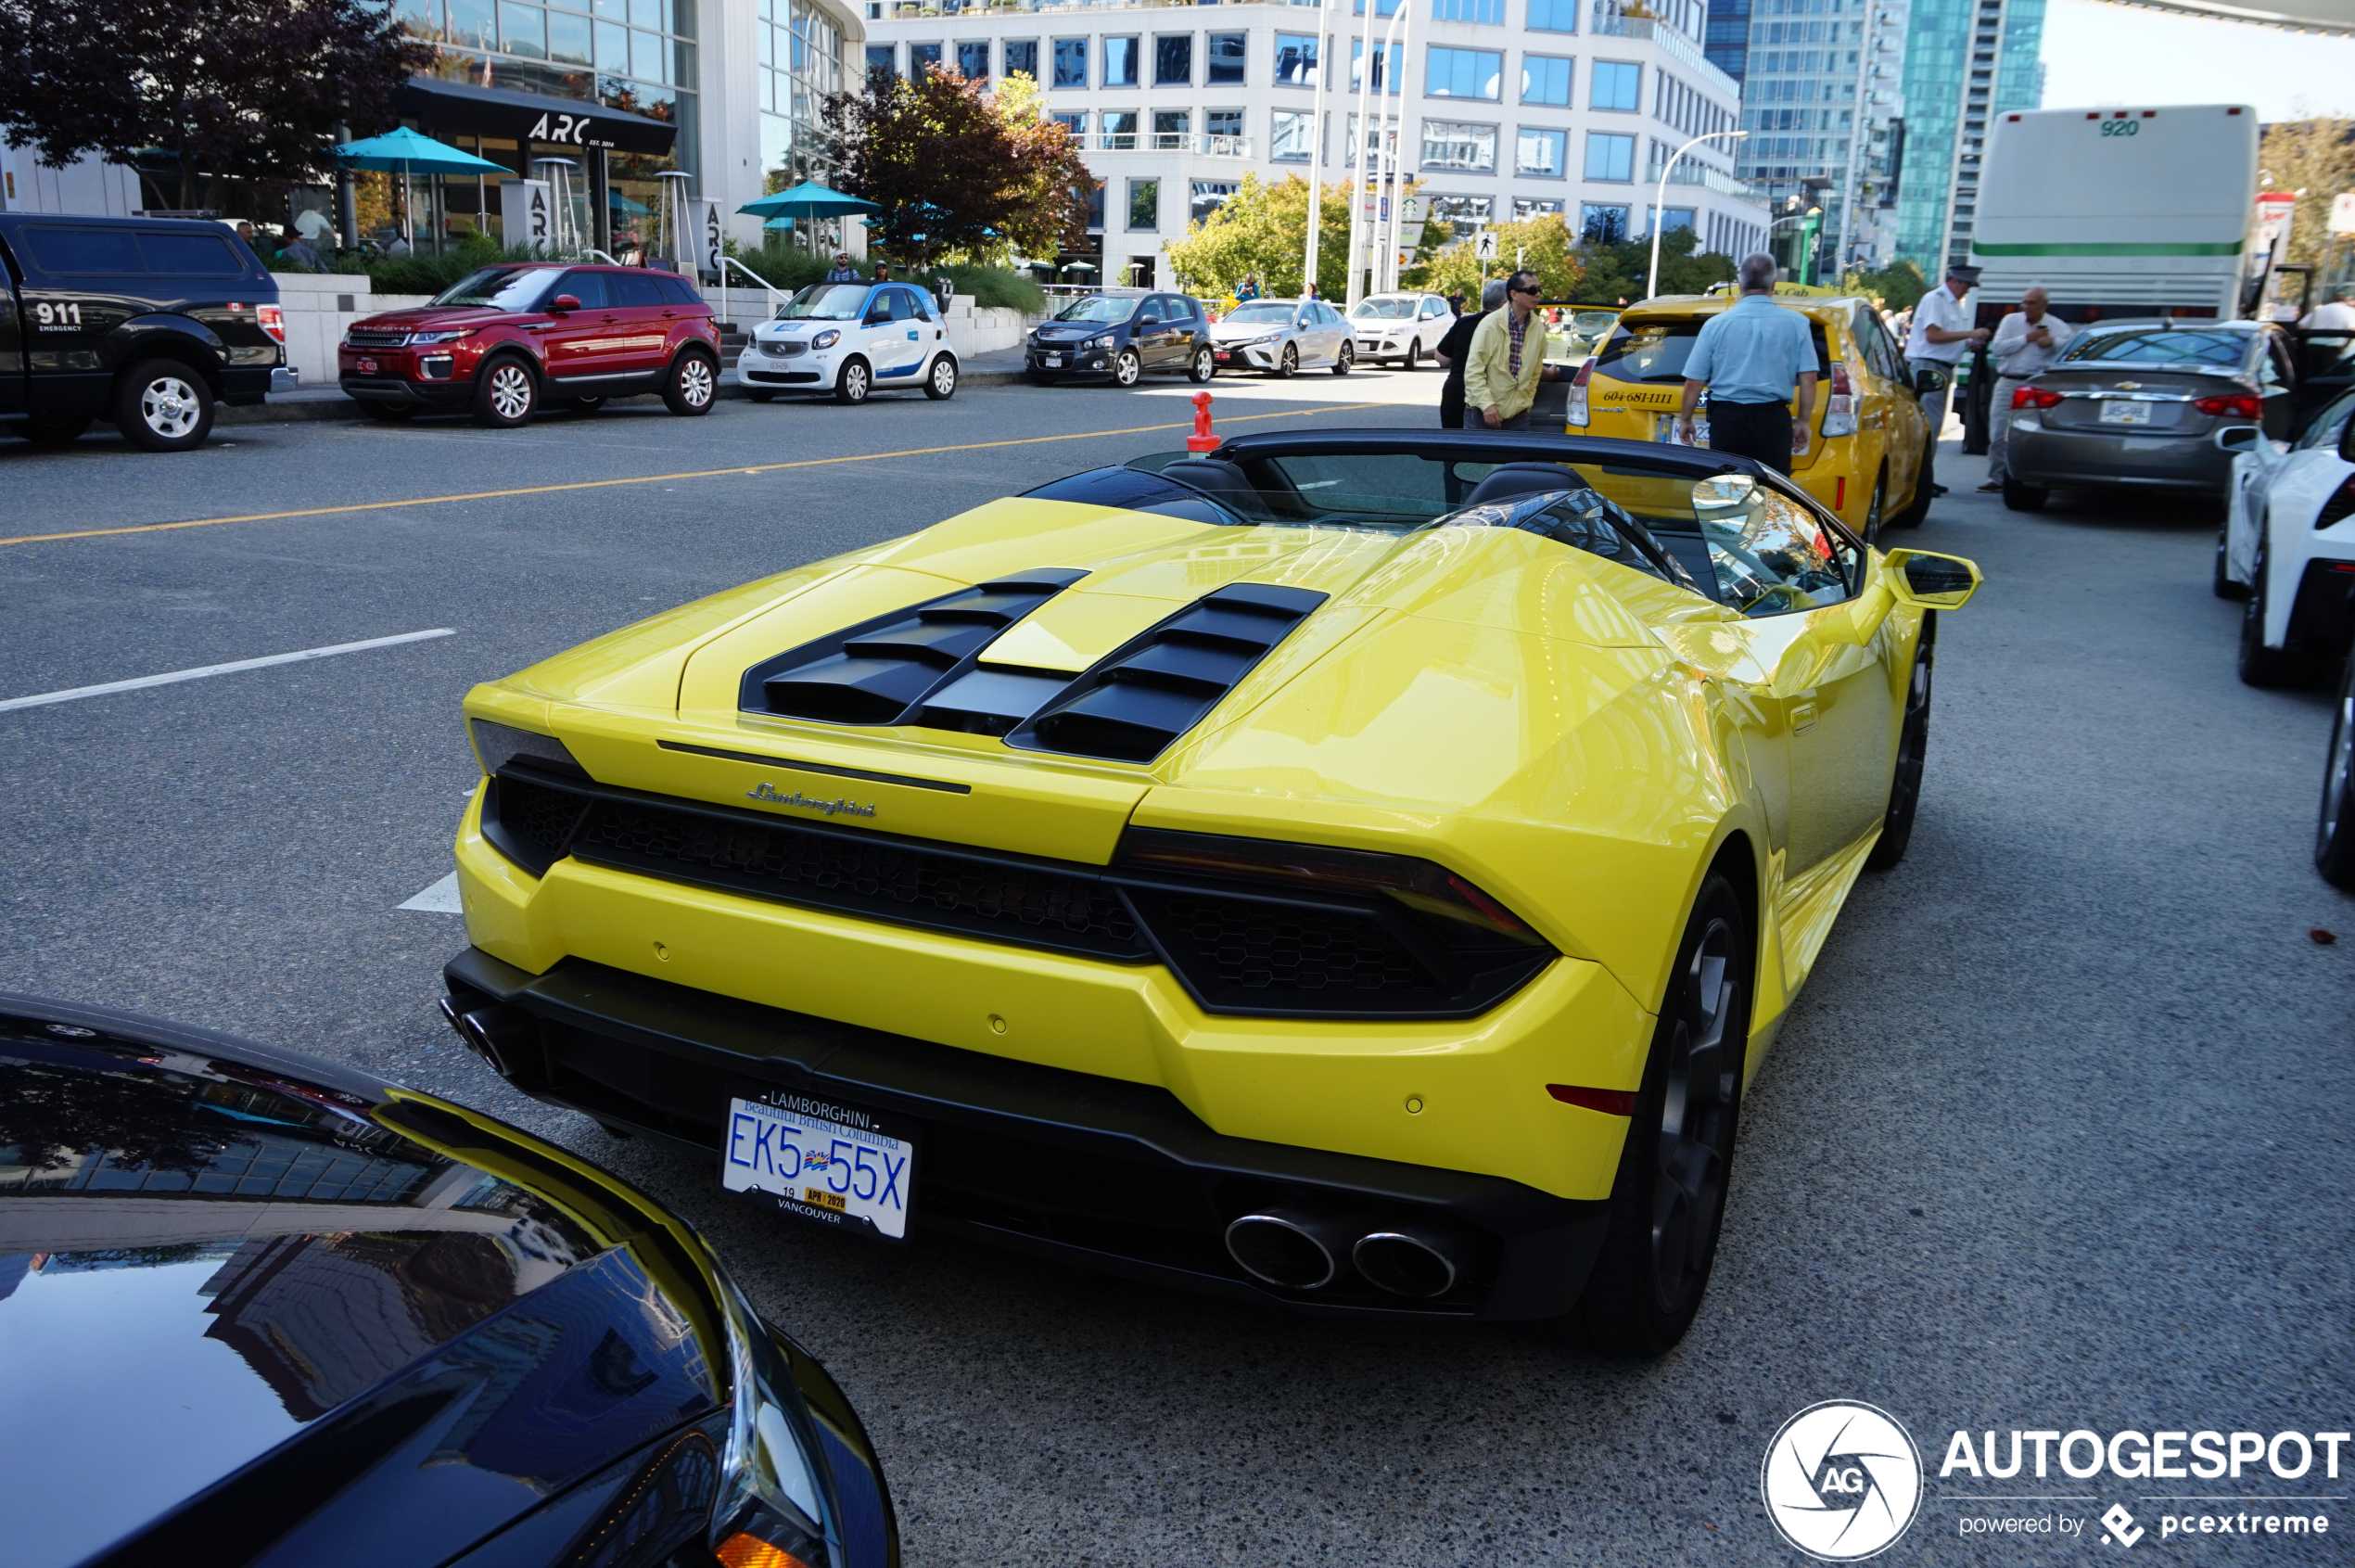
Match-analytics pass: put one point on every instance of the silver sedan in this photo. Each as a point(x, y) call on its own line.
point(1281, 336)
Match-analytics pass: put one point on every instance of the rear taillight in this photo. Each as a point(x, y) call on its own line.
point(1418, 885)
point(1578, 394)
point(1839, 413)
point(1610, 1101)
point(272, 320)
point(2034, 397)
point(2340, 506)
point(2233, 405)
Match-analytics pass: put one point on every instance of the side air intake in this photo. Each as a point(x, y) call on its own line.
point(1133, 704)
point(880, 672)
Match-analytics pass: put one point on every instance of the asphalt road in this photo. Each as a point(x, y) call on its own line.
point(2056, 1138)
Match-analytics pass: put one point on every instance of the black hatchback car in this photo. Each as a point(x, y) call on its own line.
point(257, 1309)
point(1121, 336)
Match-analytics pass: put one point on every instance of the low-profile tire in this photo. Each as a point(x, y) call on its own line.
point(1346, 359)
point(1669, 1199)
point(762, 395)
point(1287, 362)
point(2018, 497)
point(163, 406)
point(940, 381)
point(1202, 367)
point(2262, 666)
point(56, 430)
point(2224, 585)
point(585, 405)
point(2335, 830)
point(855, 383)
point(1913, 745)
point(692, 385)
point(1126, 367)
point(390, 413)
point(506, 394)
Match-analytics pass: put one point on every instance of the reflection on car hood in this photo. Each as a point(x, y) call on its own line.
point(205, 1257)
point(1230, 331)
point(1078, 328)
point(419, 318)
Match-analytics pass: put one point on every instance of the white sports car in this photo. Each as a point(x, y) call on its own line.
point(2288, 549)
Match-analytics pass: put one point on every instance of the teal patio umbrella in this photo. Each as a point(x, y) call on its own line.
point(406, 152)
point(806, 200)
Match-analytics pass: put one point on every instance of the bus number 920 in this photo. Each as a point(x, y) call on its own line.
point(2121, 127)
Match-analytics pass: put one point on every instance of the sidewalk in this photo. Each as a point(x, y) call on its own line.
point(1000, 369)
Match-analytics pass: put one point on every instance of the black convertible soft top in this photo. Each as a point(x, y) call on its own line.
point(1487, 446)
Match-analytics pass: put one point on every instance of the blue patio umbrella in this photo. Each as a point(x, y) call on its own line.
point(406, 152)
point(808, 199)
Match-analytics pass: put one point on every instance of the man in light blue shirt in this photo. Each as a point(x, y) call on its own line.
point(1751, 358)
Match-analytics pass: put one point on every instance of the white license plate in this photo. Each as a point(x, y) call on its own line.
point(368, 367)
point(1053, 362)
point(1664, 430)
point(823, 1161)
point(2126, 413)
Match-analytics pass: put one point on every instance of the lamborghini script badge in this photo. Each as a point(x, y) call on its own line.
point(764, 791)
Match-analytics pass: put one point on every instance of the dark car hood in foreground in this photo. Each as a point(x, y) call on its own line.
point(236, 1285)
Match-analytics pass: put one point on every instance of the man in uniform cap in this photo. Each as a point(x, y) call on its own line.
point(1943, 330)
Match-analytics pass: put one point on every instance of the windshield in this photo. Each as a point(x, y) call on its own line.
point(1386, 310)
point(827, 301)
point(500, 288)
point(1276, 313)
point(1097, 307)
point(2163, 346)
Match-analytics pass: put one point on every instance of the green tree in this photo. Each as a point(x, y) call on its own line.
point(2316, 159)
point(1262, 231)
point(1618, 270)
point(1899, 286)
point(1543, 242)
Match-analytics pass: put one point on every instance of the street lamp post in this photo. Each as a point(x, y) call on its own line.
point(1660, 197)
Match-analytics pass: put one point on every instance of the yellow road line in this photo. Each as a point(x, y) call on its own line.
point(660, 479)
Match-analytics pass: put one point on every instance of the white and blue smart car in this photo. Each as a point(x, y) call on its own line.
point(852, 339)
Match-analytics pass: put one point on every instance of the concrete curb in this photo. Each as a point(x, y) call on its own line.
point(311, 405)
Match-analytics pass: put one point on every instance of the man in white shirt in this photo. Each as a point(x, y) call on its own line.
point(1942, 331)
point(2337, 316)
point(2026, 341)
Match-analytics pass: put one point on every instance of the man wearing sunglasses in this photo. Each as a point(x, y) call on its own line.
point(1507, 360)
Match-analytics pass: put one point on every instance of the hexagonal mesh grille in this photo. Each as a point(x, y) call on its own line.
point(1255, 947)
point(538, 817)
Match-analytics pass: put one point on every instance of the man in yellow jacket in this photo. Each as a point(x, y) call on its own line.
point(1507, 360)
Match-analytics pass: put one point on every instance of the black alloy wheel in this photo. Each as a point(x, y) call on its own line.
point(2018, 497)
point(940, 382)
point(2225, 587)
point(692, 385)
point(506, 393)
point(2262, 666)
point(56, 430)
point(854, 382)
point(1669, 1197)
point(1288, 364)
point(1202, 367)
point(1126, 367)
point(1913, 745)
point(2335, 830)
point(163, 406)
point(390, 413)
point(1346, 359)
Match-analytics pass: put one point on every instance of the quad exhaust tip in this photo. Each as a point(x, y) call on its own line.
point(1294, 1250)
point(1283, 1248)
point(1404, 1264)
point(492, 1032)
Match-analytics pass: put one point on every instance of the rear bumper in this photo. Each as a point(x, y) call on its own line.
point(1088, 1170)
point(2042, 457)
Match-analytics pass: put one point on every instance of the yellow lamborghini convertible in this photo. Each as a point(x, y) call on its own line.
point(1359, 869)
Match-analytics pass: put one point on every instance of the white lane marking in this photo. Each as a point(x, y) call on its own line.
point(112, 686)
point(439, 899)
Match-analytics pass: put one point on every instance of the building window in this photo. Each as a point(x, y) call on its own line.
point(1386, 9)
point(882, 60)
point(1489, 11)
point(1094, 192)
point(1290, 142)
point(1296, 58)
point(1120, 130)
point(1387, 66)
point(1545, 79)
point(1021, 58)
point(1616, 85)
point(1075, 123)
point(1208, 196)
point(1454, 144)
point(1071, 62)
point(1120, 62)
point(922, 57)
point(1464, 74)
point(1609, 157)
point(973, 60)
point(1227, 50)
point(1553, 16)
point(1380, 144)
point(1171, 127)
point(1676, 218)
point(1525, 206)
point(1223, 121)
point(1462, 212)
point(798, 64)
point(1543, 152)
point(1601, 223)
point(1174, 60)
point(1145, 205)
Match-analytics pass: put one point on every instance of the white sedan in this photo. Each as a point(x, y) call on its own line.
point(2288, 549)
point(1280, 337)
point(852, 340)
point(1404, 327)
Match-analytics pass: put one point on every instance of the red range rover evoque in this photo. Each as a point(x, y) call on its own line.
point(504, 340)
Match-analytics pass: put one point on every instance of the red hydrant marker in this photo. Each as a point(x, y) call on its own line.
point(1201, 439)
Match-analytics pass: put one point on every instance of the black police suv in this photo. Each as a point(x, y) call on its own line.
point(259, 1310)
point(1121, 336)
point(152, 323)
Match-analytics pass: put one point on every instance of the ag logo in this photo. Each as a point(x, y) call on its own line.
point(1841, 1480)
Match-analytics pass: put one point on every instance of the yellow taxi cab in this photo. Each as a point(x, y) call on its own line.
point(1864, 454)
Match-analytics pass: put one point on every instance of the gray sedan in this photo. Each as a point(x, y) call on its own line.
point(2148, 405)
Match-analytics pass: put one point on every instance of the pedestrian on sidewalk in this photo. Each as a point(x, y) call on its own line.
point(1943, 330)
point(1752, 358)
point(2026, 341)
point(843, 271)
point(1248, 291)
point(1456, 348)
point(1506, 360)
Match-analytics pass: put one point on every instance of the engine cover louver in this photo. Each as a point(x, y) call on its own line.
point(1133, 705)
point(882, 671)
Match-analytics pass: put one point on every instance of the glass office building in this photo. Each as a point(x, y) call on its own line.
point(1967, 60)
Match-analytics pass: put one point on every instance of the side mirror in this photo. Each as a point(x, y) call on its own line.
point(564, 305)
point(1148, 320)
point(2347, 440)
point(2240, 437)
point(1930, 582)
point(1927, 381)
